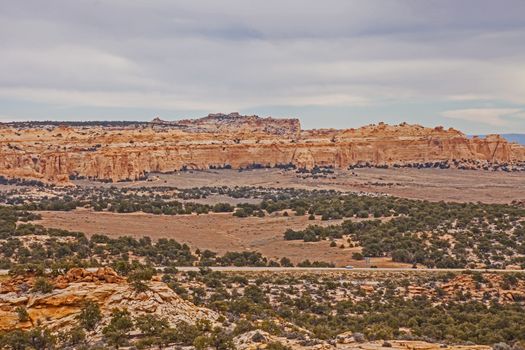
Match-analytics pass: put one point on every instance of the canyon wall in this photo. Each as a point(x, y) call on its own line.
point(58, 153)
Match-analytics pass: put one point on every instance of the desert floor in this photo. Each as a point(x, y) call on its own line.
point(217, 232)
point(430, 184)
point(223, 232)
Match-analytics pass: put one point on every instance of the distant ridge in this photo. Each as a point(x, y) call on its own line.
point(127, 152)
point(518, 138)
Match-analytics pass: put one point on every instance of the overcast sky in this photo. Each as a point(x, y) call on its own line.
point(330, 63)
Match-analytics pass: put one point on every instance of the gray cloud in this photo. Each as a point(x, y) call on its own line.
point(230, 55)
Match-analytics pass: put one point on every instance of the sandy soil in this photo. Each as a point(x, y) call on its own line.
point(222, 232)
point(217, 232)
point(429, 184)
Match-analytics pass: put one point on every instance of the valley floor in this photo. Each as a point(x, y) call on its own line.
point(429, 184)
point(219, 232)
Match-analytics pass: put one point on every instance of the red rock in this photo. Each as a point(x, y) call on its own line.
point(219, 140)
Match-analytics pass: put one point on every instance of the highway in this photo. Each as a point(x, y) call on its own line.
point(331, 269)
point(317, 269)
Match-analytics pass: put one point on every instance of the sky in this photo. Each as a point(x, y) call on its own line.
point(331, 63)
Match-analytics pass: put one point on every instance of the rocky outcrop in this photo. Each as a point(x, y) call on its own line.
point(59, 153)
point(57, 310)
point(259, 339)
point(22, 283)
point(480, 287)
point(235, 123)
point(491, 286)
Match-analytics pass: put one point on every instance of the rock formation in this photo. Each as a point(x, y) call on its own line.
point(235, 123)
point(258, 339)
point(57, 153)
point(488, 287)
point(57, 310)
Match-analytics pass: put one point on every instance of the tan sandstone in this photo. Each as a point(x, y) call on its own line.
point(57, 310)
point(58, 153)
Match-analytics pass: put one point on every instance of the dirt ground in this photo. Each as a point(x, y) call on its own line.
point(220, 232)
point(430, 184)
point(223, 232)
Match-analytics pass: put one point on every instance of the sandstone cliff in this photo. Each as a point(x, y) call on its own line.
point(58, 153)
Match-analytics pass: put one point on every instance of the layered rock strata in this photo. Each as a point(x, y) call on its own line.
point(60, 153)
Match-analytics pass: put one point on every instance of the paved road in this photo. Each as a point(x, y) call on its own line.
point(334, 269)
point(316, 269)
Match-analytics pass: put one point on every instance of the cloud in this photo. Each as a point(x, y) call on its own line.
point(9, 118)
point(490, 116)
point(233, 55)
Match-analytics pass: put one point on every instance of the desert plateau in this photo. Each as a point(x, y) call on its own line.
point(244, 232)
point(262, 175)
point(58, 153)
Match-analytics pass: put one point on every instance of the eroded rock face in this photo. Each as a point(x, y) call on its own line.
point(58, 153)
point(57, 310)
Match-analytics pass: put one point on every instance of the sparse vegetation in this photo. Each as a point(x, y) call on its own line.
point(288, 305)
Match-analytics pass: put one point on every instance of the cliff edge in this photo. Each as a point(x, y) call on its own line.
point(57, 153)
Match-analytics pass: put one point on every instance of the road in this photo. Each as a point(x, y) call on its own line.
point(332, 269)
point(316, 269)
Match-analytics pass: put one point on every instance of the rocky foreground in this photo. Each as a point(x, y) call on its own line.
point(129, 151)
point(58, 309)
